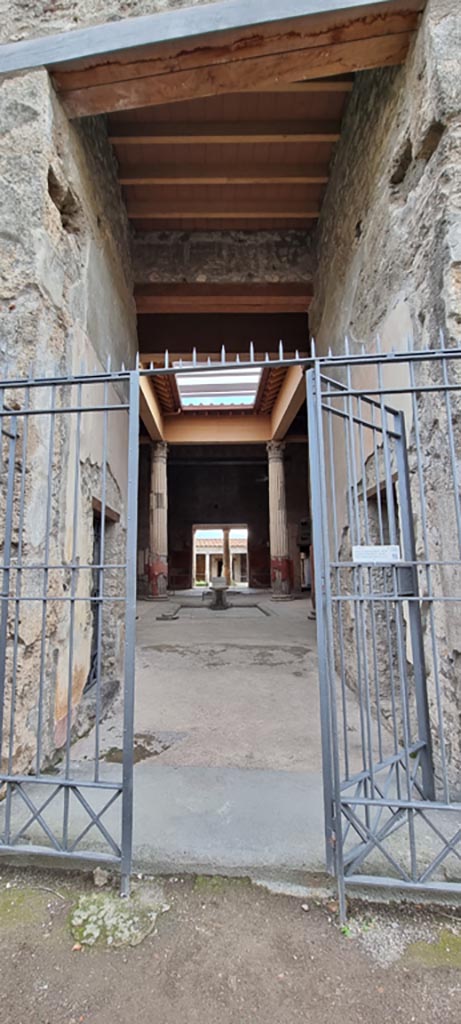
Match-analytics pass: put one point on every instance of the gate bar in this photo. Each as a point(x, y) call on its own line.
point(130, 634)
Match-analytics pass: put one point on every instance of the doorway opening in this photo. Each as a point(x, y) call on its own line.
point(220, 552)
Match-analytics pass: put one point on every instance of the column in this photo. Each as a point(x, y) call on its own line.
point(158, 523)
point(226, 567)
point(281, 564)
point(207, 568)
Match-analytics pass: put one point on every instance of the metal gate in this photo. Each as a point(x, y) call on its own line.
point(385, 451)
point(385, 448)
point(68, 509)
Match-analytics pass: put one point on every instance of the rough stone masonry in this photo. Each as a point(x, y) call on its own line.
point(65, 292)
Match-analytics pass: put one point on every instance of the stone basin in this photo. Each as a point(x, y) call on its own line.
point(219, 588)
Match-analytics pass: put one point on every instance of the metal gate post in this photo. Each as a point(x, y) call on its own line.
point(414, 612)
point(315, 443)
point(130, 632)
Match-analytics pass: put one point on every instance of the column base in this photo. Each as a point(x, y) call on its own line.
point(282, 579)
point(158, 579)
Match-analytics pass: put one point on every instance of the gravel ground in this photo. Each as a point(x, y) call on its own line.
point(224, 952)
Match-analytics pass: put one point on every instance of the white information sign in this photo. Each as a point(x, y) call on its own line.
point(377, 554)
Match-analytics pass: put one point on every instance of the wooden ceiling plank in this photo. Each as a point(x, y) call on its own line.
point(189, 212)
point(244, 174)
point(256, 74)
point(269, 386)
point(161, 134)
point(149, 304)
point(226, 289)
point(289, 224)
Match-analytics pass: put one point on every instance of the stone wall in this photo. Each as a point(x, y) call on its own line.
point(65, 274)
point(389, 263)
point(21, 19)
point(389, 234)
point(66, 301)
point(217, 256)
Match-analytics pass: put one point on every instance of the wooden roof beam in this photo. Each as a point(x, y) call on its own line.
point(238, 76)
point(321, 85)
point(222, 133)
point(240, 174)
point(231, 23)
point(277, 305)
point(214, 48)
point(288, 402)
point(217, 429)
point(357, 55)
point(150, 411)
point(203, 211)
point(225, 298)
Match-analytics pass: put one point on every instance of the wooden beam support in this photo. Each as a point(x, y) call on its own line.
point(150, 410)
point(279, 304)
point(241, 174)
point(322, 85)
point(225, 298)
point(235, 23)
point(288, 402)
point(357, 55)
point(222, 133)
point(217, 429)
point(203, 211)
point(214, 48)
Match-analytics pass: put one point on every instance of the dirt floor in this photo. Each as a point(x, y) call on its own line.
point(223, 952)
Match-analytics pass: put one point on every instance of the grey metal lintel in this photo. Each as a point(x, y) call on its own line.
point(188, 23)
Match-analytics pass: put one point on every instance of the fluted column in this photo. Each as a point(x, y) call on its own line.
point(158, 522)
point(226, 566)
point(281, 564)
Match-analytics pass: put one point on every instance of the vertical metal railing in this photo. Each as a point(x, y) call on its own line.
point(63, 445)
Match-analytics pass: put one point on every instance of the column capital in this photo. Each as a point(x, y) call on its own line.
point(159, 451)
point(275, 450)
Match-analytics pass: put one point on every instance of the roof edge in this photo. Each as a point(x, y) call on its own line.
point(207, 19)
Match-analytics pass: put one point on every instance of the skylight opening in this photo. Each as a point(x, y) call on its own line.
point(218, 389)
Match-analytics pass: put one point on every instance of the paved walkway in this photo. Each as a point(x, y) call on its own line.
point(228, 772)
point(227, 751)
